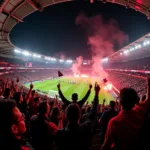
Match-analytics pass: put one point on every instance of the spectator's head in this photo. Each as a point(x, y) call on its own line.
point(12, 122)
point(112, 104)
point(33, 93)
point(73, 113)
point(55, 112)
point(63, 107)
point(128, 98)
point(74, 97)
point(18, 97)
point(82, 111)
point(43, 108)
point(143, 98)
point(51, 104)
point(37, 100)
point(88, 109)
point(7, 93)
point(105, 108)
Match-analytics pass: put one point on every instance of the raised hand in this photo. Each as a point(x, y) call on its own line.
point(17, 80)
point(58, 85)
point(90, 86)
point(97, 87)
point(148, 88)
point(31, 86)
point(12, 82)
point(104, 100)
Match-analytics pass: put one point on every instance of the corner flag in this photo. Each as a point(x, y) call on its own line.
point(60, 74)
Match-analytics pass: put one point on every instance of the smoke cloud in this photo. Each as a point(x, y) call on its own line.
point(77, 65)
point(102, 36)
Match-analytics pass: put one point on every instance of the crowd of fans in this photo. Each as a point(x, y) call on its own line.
point(26, 61)
point(121, 80)
point(30, 121)
point(136, 64)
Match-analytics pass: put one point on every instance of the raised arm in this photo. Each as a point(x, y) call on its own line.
point(81, 102)
point(148, 89)
point(29, 93)
point(147, 101)
point(14, 86)
point(63, 98)
point(93, 111)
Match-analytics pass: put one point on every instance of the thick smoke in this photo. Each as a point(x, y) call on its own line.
point(76, 66)
point(102, 36)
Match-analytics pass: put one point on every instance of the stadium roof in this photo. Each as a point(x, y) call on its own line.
point(138, 49)
point(13, 12)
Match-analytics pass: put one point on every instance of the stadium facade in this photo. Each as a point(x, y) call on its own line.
point(13, 12)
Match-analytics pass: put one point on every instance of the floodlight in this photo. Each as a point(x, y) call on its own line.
point(61, 60)
point(145, 43)
point(69, 61)
point(136, 47)
point(126, 51)
point(53, 59)
point(17, 51)
point(37, 56)
point(26, 53)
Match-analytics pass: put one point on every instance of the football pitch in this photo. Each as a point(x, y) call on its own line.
point(71, 85)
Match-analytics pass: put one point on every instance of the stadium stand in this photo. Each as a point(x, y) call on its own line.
point(30, 120)
point(135, 64)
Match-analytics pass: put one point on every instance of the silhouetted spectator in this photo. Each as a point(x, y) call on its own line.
point(105, 118)
point(7, 93)
point(85, 116)
point(123, 130)
point(77, 136)
point(74, 97)
point(42, 130)
point(55, 114)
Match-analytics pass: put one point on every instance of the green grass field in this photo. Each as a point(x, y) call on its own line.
point(81, 87)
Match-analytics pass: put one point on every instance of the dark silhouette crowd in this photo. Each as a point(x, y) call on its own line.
point(30, 121)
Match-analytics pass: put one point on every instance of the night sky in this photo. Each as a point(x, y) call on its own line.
point(54, 31)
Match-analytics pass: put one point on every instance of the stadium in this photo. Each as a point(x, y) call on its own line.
point(34, 80)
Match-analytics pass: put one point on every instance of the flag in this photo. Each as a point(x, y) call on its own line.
point(60, 74)
point(105, 80)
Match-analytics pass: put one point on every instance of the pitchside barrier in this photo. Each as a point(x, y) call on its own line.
point(52, 93)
